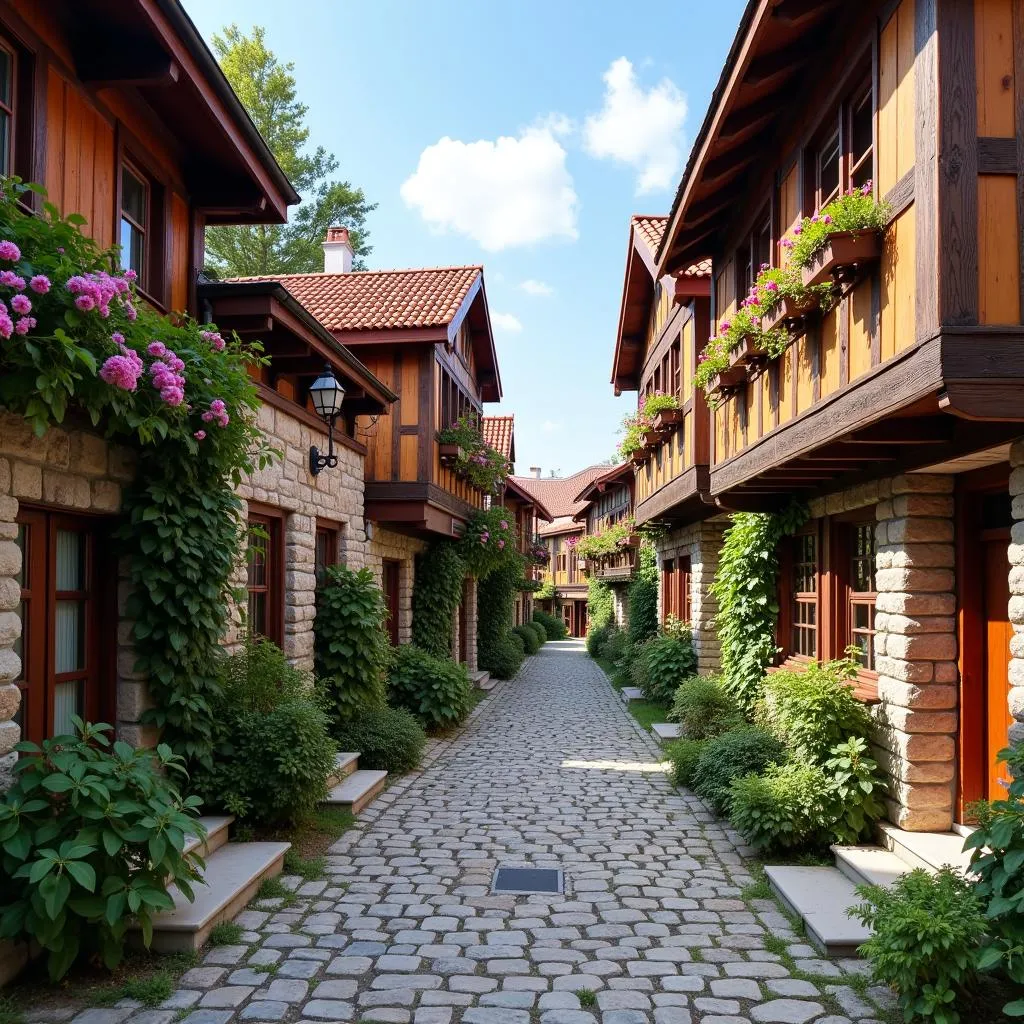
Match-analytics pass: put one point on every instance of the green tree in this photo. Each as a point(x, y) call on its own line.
point(268, 92)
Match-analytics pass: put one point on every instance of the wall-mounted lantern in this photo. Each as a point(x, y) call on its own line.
point(327, 395)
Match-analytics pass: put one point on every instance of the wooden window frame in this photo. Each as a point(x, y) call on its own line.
point(153, 284)
point(329, 531)
point(684, 572)
point(841, 629)
point(749, 257)
point(668, 589)
point(272, 521)
point(806, 598)
point(26, 146)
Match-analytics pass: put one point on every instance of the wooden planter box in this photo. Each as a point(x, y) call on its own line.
point(728, 381)
point(667, 420)
point(640, 457)
point(747, 353)
point(790, 314)
point(844, 257)
point(450, 454)
point(632, 541)
point(653, 438)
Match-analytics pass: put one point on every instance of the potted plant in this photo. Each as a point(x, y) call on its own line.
point(633, 440)
point(462, 449)
point(727, 381)
point(451, 455)
point(748, 351)
point(836, 244)
point(663, 411)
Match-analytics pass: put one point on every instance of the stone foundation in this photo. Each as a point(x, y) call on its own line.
point(702, 543)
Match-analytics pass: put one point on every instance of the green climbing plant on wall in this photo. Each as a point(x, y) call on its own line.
point(600, 603)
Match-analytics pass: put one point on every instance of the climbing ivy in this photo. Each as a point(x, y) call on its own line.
point(499, 650)
point(746, 588)
point(600, 603)
point(643, 596)
point(440, 571)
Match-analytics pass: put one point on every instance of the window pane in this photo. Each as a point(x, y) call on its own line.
point(131, 247)
point(257, 560)
point(828, 169)
point(67, 701)
point(862, 125)
point(133, 197)
point(70, 560)
point(69, 638)
point(258, 613)
point(862, 568)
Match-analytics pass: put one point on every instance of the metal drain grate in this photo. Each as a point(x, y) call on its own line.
point(528, 881)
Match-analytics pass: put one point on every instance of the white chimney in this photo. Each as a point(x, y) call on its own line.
point(337, 251)
point(535, 471)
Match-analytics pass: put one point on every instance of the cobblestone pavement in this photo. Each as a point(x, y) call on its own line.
point(550, 771)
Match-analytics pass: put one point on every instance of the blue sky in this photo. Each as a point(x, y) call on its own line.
point(561, 119)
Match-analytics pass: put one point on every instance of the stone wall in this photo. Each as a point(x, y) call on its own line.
point(387, 544)
point(702, 543)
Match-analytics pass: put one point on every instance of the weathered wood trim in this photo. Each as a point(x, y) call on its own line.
point(903, 380)
point(997, 155)
point(396, 386)
point(670, 330)
point(1018, 103)
point(669, 501)
point(845, 308)
point(958, 165)
point(268, 396)
point(926, 168)
point(901, 195)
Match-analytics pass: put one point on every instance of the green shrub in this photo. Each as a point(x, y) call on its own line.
point(499, 651)
point(813, 710)
point(387, 739)
point(597, 639)
point(554, 627)
point(703, 708)
point(684, 755)
point(436, 690)
point(642, 597)
point(91, 837)
point(436, 594)
point(732, 755)
point(927, 933)
point(505, 656)
point(616, 646)
point(539, 630)
point(855, 791)
point(531, 643)
point(667, 660)
point(787, 806)
point(272, 749)
point(352, 647)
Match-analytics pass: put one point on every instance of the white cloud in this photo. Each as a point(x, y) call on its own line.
point(533, 287)
point(642, 129)
point(550, 426)
point(509, 192)
point(506, 322)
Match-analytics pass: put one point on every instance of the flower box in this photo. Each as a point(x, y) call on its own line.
point(450, 454)
point(844, 256)
point(667, 420)
point(641, 456)
point(747, 353)
point(653, 438)
point(632, 541)
point(791, 314)
point(728, 381)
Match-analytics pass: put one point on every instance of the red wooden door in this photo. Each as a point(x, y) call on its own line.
point(998, 632)
point(390, 582)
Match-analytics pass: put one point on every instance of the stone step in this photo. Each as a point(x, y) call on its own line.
point(928, 850)
point(355, 792)
point(665, 731)
point(869, 865)
point(631, 693)
point(483, 681)
point(965, 830)
point(821, 896)
point(344, 765)
point(216, 835)
point(233, 874)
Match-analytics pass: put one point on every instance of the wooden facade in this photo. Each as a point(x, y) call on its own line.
point(610, 502)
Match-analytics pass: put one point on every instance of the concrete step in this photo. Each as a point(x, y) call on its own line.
point(233, 874)
point(821, 896)
point(928, 850)
point(869, 865)
point(355, 792)
point(344, 765)
point(665, 731)
point(965, 830)
point(216, 835)
point(483, 681)
point(631, 693)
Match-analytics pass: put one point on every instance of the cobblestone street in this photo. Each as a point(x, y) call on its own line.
point(550, 771)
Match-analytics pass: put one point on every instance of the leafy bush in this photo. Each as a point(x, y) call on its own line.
point(785, 807)
point(554, 627)
point(499, 651)
point(387, 739)
point(436, 690)
point(684, 755)
point(531, 642)
point(352, 648)
point(667, 661)
point(600, 601)
point(505, 656)
point(731, 756)
point(616, 646)
point(703, 708)
point(272, 749)
point(440, 571)
point(539, 630)
point(597, 639)
point(813, 710)
point(643, 596)
point(855, 791)
point(927, 933)
point(92, 838)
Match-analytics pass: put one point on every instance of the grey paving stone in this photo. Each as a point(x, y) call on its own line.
point(264, 1009)
point(208, 1017)
point(495, 1015)
point(327, 1009)
point(786, 1011)
point(736, 988)
point(226, 996)
point(111, 1015)
point(197, 977)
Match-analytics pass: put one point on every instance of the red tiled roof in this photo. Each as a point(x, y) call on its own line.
point(559, 493)
point(650, 229)
point(701, 269)
point(369, 300)
point(563, 524)
point(498, 433)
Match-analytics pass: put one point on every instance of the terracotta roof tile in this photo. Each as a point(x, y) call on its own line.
point(650, 229)
point(563, 524)
point(558, 493)
point(370, 300)
point(498, 432)
point(701, 269)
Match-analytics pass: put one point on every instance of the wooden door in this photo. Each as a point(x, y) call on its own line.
point(390, 575)
point(998, 632)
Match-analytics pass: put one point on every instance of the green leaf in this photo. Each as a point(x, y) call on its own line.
point(82, 873)
point(1014, 1009)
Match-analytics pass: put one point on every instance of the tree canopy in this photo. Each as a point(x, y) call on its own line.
point(268, 92)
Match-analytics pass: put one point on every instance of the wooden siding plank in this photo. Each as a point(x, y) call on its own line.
point(804, 350)
point(408, 450)
point(55, 97)
point(860, 329)
point(905, 101)
point(180, 251)
point(887, 158)
point(831, 355)
point(993, 28)
point(906, 309)
point(104, 193)
point(998, 258)
point(926, 168)
point(410, 389)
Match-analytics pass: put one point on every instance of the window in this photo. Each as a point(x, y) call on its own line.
point(8, 78)
point(844, 155)
point(684, 582)
point(861, 591)
point(264, 584)
point(455, 403)
point(668, 589)
point(754, 254)
point(326, 550)
point(805, 594)
point(862, 131)
point(135, 219)
point(64, 670)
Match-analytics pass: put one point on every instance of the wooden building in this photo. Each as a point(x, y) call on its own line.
point(897, 415)
point(426, 335)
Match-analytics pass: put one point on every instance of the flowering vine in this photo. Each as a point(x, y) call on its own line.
point(477, 462)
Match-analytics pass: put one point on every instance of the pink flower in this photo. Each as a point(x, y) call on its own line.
point(207, 417)
point(787, 243)
point(9, 251)
point(24, 324)
point(771, 286)
point(40, 284)
point(172, 395)
point(798, 230)
point(21, 304)
point(199, 435)
point(156, 348)
point(866, 188)
point(118, 339)
point(214, 339)
point(6, 326)
point(826, 219)
point(129, 275)
point(130, 311)
point(9, 279)
point(501, 544)
point(123, 371)
point(724, 326)
point(85, 303)
point(217, 405)
point(504, 525)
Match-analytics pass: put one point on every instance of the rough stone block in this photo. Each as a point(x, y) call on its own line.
point(10, 734)
point(66, 489)
point(921, 647)
point(931, 697)
point(10, 699)
point(26, 481)
point(935, 505)
point(922, 483)
point(910, 720)
point(928, 531)
point(912, 581)
point(88, 453)
point(10, 665)
point(901, 603)
point(106, 496)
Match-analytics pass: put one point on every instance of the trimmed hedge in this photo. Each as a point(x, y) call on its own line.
point(731, 756)
point(529, 637)
point(436, 690)
point(554, 627)
point(387, 739)
point(539, 630)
